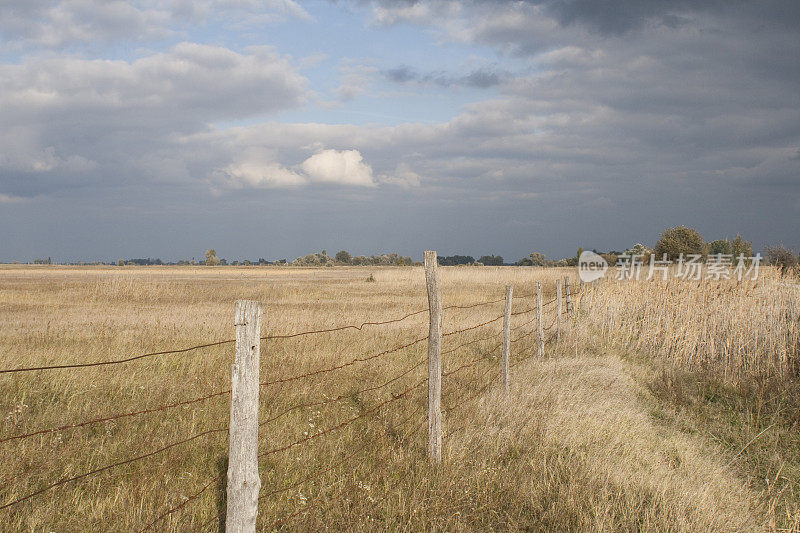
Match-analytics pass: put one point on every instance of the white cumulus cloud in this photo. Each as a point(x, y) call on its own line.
point(258, 174)
point(345, 167)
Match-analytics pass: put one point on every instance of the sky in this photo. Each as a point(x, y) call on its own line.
point(274, 128)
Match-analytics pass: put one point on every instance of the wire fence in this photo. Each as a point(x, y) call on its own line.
point(465, 379)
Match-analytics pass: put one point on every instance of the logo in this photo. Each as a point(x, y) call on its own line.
point(591, 266)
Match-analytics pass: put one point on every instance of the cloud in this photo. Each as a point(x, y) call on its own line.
point(56, 24)
point(403, 176)
point(45, 160)
point(392, 13)
point(8, 199)
point(355, 80)
point(481, 78)
point(67, 120)
point(258, 174)
point(345, 167)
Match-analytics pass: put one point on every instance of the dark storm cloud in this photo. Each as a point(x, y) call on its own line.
point(479, 78)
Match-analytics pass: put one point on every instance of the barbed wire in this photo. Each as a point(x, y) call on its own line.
point(115, 417)
point(343, 365)
point(471, 362)
point(488, 337)
point(461, 402)
point(514, 328)
point(193, 497)
point(183, 504)
point(316, 474)
point(553, 323)
point(379, 323)
point(472, 327)
point(470, 306)
point(480, 391)
point(115, 361)
point(341, 328)
point(114, 465)
point(329, 502)
point(230, 341)
point(343, 396)
point(340, 462)
point(394, 398)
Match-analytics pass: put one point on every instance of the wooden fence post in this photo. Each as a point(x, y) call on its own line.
point(539, 308)
point(243, 480)
point(558, 315)
point(434, 359)
point(507, 336)
point(566, 293)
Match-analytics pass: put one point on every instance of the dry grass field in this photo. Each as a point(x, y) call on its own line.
point(612, 430)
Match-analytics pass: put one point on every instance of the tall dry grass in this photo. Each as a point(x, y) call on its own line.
point(59, 315)
point(739, 329)
point(728, 354)
point(572, 447)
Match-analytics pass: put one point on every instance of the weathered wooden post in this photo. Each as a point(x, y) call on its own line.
point(566, 293)
point(539, 309)
point(243, 480)
point(558, 312)
point(507, 336)
point(434, 359)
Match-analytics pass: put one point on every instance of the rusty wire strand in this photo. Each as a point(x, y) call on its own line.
point(343, 365)
point(115, 361)
point(115, 417)
point(343, 396)
point(489, 337)
point(476, 326)
point(107, 467)
point(331, 501)
point(394, 398)
point(190, 498)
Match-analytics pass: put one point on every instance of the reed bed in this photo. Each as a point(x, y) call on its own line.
point(737, 329)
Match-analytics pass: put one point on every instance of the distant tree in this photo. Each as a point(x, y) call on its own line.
point(538, 259)
point(120, 262)
point(491, 260)
point(611, 257)
point(211, 258)
point(720, 246)
point(525, 261)
point(453, 260)
point(680, 240)
point(741, 247)
point(640, 250)
point(578, 255)
point(344, 257)
point(781, 257)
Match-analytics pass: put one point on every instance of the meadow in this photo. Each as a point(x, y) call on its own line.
point(659, 408)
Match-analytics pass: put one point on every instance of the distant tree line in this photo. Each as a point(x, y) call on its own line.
point(343, 257)
point(672, 243)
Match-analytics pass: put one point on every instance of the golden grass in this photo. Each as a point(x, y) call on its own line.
point(740, 329)
point(573, 447)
